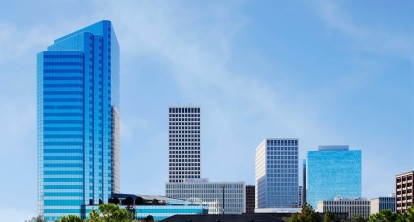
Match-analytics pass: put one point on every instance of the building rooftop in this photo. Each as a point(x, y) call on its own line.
point(333, 147)
point(405, 173)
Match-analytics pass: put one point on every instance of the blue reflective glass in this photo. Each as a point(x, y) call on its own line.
point(78, 120)
point(333, 173)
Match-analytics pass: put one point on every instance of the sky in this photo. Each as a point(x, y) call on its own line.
point(326, 72)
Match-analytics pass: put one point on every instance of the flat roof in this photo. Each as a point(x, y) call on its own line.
point(405, 173)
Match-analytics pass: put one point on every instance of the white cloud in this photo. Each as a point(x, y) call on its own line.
point(15, 215)
point(373, 39)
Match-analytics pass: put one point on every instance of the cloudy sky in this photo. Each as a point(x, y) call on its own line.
point(326, 72)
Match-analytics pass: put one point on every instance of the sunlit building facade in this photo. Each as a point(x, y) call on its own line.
point(78, 121)
point(232, 201)
point(277, 184)
point(184, 143)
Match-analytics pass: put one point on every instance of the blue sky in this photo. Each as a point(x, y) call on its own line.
point(326, 72)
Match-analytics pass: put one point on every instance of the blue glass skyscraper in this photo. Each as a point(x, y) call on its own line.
point(333, 171)
point(78, 121)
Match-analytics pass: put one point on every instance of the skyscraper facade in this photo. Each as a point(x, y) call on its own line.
point(333, 171)
point(184, 143)
point(277, 174)
point(78, 121)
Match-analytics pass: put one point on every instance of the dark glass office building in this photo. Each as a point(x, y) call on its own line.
point(78, 122)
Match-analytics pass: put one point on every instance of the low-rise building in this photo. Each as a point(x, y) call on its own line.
point(158, 206)
point(352, 206)
point(382, 203)
point(212, 194)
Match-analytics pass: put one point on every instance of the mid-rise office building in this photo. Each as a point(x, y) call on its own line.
point(184, 143)
point(404, 191)
point(300, 198)
point(352, 206)
point(78, 122)
point(211, 194)
point(250, 199)
point(382, 203)
point(333, 171)
point(277, 174)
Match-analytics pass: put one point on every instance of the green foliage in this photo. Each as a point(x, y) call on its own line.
point(408, 215)
point(357, 218)
point(110, 213)
point(71, 218)
point(385, 216)
point(307, 215)
point(329, 217)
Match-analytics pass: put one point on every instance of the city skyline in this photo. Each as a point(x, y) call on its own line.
point(256, 73)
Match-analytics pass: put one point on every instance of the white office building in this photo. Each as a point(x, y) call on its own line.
point(277, 183)
point(211, 194)
point(382, 203)
point(352, 206)
point(184, 143)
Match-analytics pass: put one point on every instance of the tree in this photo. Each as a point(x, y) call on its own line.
point(149, 218)
point(35, 219)
point(306, 215)
point(110, 213)
point(408, 215)
point(385, 216)
point(329, 217)
point(71, 218)
point(357, 218)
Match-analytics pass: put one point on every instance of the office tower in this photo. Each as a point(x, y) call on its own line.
point(404, 191)
point(277, 173)
point(300, 197)
point(352, 206)
point(78, 121)
point(250, 199)
point(184, 143)
point(333, 171)
point(382, 203)
point(211, 194)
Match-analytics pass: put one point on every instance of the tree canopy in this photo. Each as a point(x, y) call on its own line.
point(306, 215)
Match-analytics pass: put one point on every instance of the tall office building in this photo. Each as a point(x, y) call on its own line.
point(78, 121)
point(333, 171)
point(277, 174)
point(184, 143)
point(404, 191)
